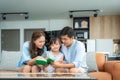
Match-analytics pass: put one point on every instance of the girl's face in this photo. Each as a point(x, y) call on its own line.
point(55, 47)
point(40, 42)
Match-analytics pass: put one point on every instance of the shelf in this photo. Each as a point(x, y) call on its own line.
point(82, 39)
point(81, 23)
point(81, 27)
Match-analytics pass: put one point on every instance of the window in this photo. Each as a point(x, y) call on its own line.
point(10, 39)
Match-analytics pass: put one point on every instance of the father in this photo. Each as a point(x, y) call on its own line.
point(74, 52)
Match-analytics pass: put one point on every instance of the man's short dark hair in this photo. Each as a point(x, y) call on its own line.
point(67, 31)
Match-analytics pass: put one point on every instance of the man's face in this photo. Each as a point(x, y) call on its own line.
point(67, 41)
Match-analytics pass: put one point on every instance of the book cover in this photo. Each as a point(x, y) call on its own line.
point(44, 62)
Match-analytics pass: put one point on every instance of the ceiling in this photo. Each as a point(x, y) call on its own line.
point(50, 9)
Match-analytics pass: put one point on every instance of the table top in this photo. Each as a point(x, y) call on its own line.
point(82, 76)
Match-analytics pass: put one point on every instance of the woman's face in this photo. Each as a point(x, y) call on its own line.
point(40, 42)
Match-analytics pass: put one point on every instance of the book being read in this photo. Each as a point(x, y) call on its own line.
point(44, 61)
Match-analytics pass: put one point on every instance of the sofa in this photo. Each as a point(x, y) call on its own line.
point(107, 70)
point(9, 60)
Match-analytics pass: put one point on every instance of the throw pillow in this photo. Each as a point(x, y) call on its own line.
point(91, 62)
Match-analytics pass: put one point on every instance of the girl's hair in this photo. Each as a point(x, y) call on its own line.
point(53, 40)
point(35, 36)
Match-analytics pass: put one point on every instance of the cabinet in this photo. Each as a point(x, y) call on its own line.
point(81, 27)
point(105, 27)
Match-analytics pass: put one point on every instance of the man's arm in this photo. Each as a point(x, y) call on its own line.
point(61, 65)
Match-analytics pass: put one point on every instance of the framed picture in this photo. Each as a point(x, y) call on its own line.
point(81, 23)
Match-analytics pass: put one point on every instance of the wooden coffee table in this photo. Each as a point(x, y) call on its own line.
point(46, 76)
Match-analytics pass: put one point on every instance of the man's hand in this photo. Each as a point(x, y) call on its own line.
point(57, 64)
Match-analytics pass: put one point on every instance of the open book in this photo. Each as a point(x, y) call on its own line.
point(44, 62)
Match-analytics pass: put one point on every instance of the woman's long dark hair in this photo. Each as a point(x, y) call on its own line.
point(35, 36)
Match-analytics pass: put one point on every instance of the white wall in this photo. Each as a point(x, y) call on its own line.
point(91, 45)
point(59, 24)
point(100, 45)
point(104, 45)
point(49, 25)
point(0, 40)
point(24, 24)
point(55, 24)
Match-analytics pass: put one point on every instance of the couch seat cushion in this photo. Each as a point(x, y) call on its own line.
point(91, 61)
point(101, 75)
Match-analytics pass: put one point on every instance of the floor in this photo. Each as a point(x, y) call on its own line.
point(8, 71)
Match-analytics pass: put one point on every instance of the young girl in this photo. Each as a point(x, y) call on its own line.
point(31, 51)
point(54, 53)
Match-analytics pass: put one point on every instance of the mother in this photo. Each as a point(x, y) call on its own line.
point(31, 51)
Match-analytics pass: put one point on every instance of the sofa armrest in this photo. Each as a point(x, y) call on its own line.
point(9, 60)
point(113, 67)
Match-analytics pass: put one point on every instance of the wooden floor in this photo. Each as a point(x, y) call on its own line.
point(8, 71)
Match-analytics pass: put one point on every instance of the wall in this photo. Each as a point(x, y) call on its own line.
point(105, 27)
point(94, 45)
point(49, 25)
point(102, 27)
point(0, 43)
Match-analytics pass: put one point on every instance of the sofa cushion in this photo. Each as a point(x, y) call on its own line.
point(101, 75)
point(9, 60)
point(91, 61)
point(100, 59)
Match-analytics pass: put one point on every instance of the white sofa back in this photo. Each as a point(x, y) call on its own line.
point(9, 60)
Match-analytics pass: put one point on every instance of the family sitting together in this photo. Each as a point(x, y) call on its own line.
point(68, 54)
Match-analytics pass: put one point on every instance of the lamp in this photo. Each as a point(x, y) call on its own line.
point(4, 16)
point(26, 16)
point(70, 15)
point(19, 13)
point(94, 10)
point(95, 15)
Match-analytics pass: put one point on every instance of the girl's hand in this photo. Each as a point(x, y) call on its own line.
point(59, 61)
